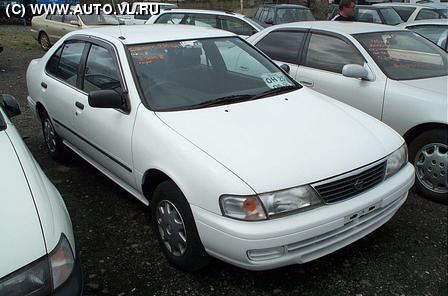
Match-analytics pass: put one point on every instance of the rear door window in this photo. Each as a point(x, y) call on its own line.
point(404, 12)
point(282, 45)
point(236, 26)
point(426, 14)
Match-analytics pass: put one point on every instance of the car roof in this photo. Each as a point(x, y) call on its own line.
point(283, 6)
point(209, 11)
point(153, 33)
point(339, 26)
point(401, 4)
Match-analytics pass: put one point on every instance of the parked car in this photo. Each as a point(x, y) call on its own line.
point(373, 14)
point(140, 19)
point(391, 74)
point(225, 20)
point(435, 31)
point(274, 14)
point(414, 12)
point(216, 139)
point(47, 28)
point(38, 254)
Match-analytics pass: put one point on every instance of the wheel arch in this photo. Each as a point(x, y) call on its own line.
point(411, 134)
point(151, 179)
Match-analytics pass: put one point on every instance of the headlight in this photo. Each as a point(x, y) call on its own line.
point(269, 204)
point(33, 279)
point(396, 160)
point(289, 200)
point(242, 207)
point(36, 279)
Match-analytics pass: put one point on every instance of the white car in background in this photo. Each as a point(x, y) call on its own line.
point(435, 31)
point(137, 7)
point(394, 75)
point(242, 164)
point(37, 249)
point(224, 20)
point(414, 12)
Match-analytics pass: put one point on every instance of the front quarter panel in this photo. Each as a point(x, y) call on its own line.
point(201, 178)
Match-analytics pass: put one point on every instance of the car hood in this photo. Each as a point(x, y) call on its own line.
point(286, 140)
point(22, 240)
point(437, 85)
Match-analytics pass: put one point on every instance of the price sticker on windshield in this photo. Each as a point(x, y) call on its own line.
point(275, 80)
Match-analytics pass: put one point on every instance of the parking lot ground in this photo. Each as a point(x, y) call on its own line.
point(120, 255)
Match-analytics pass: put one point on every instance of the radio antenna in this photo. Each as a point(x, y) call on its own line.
point(119, 26)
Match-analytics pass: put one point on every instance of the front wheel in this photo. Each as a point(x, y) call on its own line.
point(44, 41)
point(176, 229)
point(429, 154)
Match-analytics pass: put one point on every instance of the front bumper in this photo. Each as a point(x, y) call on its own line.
point(304, 236)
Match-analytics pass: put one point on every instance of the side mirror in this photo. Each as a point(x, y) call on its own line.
point(9, 104)
point(285, 68)
point(355, 71)
point(269, 22)
point(74, 22)
point(105, 99)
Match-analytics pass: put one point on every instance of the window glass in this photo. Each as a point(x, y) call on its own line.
point(186, 74)
point(368, 16)
point(203, 20)
point(257, 14)
point(56, 17)
point(236, 26)
point(289, 15)
point(69, 62)
point(282, 46)
point(330, 53)
point(171, 18)
point(425, 14)
point(436, 34)
point(404, 12)
point(53, 63)
point(270, 15)
point(70, 17)
point(101, 72)
point(404, 55)
point(263, 15)
point(390, 16)
point(99, 19)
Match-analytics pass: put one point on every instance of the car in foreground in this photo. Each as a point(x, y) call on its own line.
point(434, 30)
point(373, 14)
point(414, 12)
point(392, 74)
point(224, 20)
point(273, 14)
point(216, 139)
point(49, 28)
point(37, 250)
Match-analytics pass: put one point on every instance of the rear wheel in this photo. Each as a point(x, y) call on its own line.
point(175, 228)
point(429, 154)
point(52, 140)
point(44, 41)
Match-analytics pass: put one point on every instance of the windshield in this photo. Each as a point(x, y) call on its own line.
point(190, 74)
point(391, 17)
point(289, 15)
point(405, 55)
point(99, 19)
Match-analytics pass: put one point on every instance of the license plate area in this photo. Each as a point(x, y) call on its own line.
point(358, 215)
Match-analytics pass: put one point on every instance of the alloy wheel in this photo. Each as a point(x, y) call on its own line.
point(431, 162)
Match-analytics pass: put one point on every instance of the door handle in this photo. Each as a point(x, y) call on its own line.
point(43, 84)
point(79, 105)
point(307, 83)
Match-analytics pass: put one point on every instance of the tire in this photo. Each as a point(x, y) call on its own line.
point(53, 142)
point(44, 41)
point(428, 152)
point(175, 228)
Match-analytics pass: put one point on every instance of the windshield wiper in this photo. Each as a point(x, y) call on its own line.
point(276, 91)
point(223, 101)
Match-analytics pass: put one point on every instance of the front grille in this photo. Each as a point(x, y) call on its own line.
point(350, 184)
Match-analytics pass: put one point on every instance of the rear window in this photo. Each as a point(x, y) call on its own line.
point(404, 12)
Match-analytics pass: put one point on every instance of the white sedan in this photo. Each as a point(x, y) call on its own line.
point(392, 74)
point(37, 249)
point(242, 164)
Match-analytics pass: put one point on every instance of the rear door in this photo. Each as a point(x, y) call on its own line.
point(321, 69)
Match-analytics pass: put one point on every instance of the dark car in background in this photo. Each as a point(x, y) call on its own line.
point(373, 14)
point(274, 14)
